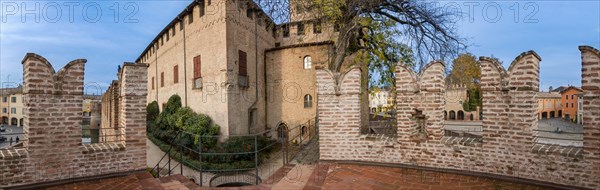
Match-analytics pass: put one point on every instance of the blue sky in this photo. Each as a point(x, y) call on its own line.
point(553, 29)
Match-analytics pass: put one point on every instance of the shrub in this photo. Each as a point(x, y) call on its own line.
point(152, 111)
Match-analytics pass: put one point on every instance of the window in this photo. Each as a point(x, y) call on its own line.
point(249, 13)
point(176, 74)
point(307, 62)
point(4, 110)
point(300, 29)
point(13, 110)
point(572, 105)
point(13, 99)
point(286, 31)
point(162, 79)
point(317, 27)
point(4, 99)
point(197, 67)
point(567, 105)
point(243, 70)
point(197, 72)
point(191, 17)
point(307, 101)
point(152, 83)
point(573, 97)
point(567, 96)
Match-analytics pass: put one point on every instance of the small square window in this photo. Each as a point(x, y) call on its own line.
point(249, 13)
point(317, 27)
point(286, 31)
point(300, 29)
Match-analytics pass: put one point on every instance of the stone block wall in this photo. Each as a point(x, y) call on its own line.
point(507, 147)
point(53, 148)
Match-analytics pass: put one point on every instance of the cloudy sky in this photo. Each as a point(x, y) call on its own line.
point(108, 33)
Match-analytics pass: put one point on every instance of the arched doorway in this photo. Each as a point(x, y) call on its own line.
point(461, 115)
point(552, 114)
point(544, 115)
point(4, 120)
point(21, 122)
point(445, 115)
point(559, 113)
point(13, 121)
point(452, 115)
point(282, 132)
point(471, 117)
point(304, 131)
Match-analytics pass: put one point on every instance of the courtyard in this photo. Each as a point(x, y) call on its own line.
point(12, 132)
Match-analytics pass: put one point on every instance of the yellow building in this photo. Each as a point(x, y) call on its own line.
point(381, 100)
point(549, 105)
point(11, 106)
point(454, 98)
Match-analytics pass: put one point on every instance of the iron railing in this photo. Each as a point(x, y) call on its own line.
point(297, 137)
point(229, 160)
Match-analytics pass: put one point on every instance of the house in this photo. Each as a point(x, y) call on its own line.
point(569, 102)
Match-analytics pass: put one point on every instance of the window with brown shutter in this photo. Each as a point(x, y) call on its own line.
point(197, 67)
point(162, 79)
point(176, 74)
point(242, 63)
point(152, 83)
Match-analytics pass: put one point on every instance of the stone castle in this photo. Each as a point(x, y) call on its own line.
point(211, 57)
point(230, 61)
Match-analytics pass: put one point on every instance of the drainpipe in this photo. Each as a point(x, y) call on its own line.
point(156, 70)
point(182, 22)
point(253, 106)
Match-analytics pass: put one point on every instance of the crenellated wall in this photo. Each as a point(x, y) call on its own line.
point(53, 149)
point(507, 148)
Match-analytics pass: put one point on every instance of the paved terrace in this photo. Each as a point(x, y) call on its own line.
point(320, 176)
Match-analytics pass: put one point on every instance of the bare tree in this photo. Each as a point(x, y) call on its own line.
point(424, 26)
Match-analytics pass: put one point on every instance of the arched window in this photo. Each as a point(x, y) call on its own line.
point(307, 101)
point(307, 62)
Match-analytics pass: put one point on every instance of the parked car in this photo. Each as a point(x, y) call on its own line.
point(2, 139)
point(2, 128)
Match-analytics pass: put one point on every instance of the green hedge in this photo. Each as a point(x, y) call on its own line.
point(198, 128)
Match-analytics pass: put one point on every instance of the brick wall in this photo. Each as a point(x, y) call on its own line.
point(509, 108)
point(53, 149)
point(590, 83)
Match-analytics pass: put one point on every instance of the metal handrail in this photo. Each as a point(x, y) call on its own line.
point(157, 166)
point(194, 156)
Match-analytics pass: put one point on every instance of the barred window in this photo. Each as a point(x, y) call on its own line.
point(307, 101)
point(307, 62)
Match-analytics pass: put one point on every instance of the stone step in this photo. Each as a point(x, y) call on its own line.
point(296, 178)
point(317, 178)
point(174, 182)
